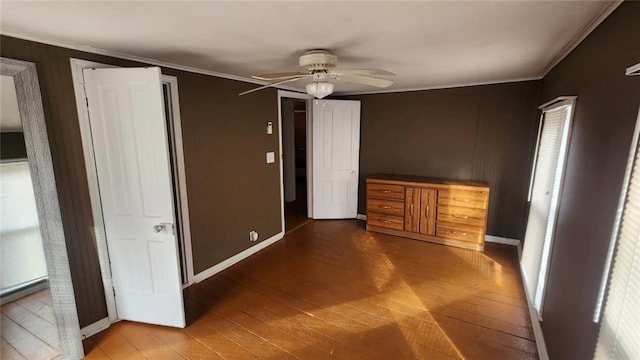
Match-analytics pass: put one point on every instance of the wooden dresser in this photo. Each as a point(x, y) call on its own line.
point(445, 212)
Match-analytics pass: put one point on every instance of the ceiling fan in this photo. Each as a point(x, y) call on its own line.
point(319, 66)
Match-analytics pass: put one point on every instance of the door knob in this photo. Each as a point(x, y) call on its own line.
point(353, 173)
point(164, 228)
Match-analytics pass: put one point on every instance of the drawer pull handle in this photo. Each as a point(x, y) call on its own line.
point(385, 206)
point(385, 191)
point(426, 212)
point(385, 221)
point(461, 233)
point(463, 200)
point(460, 216)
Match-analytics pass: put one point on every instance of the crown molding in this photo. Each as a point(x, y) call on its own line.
point(437, 87)
point(592, 25)
point(124, 56)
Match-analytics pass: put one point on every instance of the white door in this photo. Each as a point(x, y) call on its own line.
point(129, 135)
point(336, 153)
point(545, 193)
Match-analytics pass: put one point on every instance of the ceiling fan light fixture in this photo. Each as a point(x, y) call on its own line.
point(320, 89)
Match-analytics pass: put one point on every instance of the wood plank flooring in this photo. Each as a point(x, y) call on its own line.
point(29, 328)
point(331, 289)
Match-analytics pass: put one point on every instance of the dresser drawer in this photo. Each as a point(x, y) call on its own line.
point(385, 221)
point(457, 232)
point(462, 215)
point(385, 191)
point(464, 198)
point(390, 207)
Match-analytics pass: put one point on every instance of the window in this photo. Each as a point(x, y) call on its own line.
point(22, 255)
point(620, 323)
point(547, 175)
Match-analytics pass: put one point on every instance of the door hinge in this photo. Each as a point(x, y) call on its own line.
point(86, 98)
point(113, 288)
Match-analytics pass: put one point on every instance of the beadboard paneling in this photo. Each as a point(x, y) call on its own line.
point(231, 190)
point(481, 133)
point(605, 115)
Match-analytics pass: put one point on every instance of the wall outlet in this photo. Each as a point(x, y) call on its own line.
point(253, 236)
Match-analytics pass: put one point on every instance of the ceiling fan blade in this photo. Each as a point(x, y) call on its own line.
point(367, 80)
point(272, 84)
point(278, 76)
point(373, 72)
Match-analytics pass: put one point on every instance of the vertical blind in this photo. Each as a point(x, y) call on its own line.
point(620, 326)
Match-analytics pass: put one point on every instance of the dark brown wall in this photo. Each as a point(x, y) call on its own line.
point(231, 190)
point(605, 115)
point(484, 133)
point(12, 146)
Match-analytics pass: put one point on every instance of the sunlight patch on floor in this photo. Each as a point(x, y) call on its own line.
point(388, 280)
point(483, 264)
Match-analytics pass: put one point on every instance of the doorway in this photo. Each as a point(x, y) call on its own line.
point(157, 215)
point(39, 314)
point(544, 196)
point(294, 162)
point(28, 320)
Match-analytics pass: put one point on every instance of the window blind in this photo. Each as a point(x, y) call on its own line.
point(619, 336)
point(21, 253)
point(17, 200)
point(547, 176)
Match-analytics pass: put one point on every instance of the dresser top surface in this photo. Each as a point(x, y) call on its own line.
point(425, 179)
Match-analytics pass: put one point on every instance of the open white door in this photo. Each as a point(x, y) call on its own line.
point(129, 134)
point(336, 154)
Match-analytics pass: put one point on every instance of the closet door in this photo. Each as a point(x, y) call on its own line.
point(335, 158)
point(126, 110)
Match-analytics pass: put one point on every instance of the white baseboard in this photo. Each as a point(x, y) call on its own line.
point(361, 217)
point(501, 240)
point(535, 323)
point(236, 258)
point(95, 328)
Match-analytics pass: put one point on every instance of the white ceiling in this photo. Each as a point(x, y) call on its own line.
point(428, 44)
point(9, 112)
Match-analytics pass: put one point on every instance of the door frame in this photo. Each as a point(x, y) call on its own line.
point(77, 65)
point(309, 103)
point(44, 185)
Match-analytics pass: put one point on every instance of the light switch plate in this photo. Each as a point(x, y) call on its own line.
point(271, 157)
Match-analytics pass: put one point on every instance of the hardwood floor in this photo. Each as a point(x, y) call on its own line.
point(29, 328)
point(330, 289)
